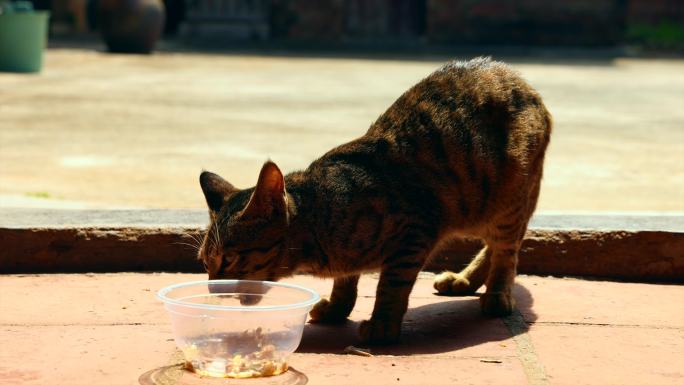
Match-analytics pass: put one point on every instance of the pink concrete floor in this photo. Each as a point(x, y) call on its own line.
point(110, 329)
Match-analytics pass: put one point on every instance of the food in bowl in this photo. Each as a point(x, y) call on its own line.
point(222, 335)
point(264, 361)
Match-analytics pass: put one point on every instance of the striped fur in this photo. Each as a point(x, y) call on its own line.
point(460, 153)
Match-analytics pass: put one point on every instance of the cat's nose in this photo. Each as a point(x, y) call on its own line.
point(249, 295)
point(251, 292)
point(220, 288)
point(250, 299)
point(212, 276)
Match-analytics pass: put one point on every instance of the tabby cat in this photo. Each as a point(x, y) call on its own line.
point(460, 153)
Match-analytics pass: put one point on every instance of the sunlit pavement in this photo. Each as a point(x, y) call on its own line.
point(96, 130)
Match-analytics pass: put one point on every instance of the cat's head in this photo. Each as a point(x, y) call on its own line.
point(246, 235)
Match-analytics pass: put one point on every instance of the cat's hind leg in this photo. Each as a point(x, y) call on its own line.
point(341, 303)
point(505, 238)
point(498, 300)
point(468, 280)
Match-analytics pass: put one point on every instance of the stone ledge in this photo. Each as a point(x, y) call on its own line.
point(625, 247)
point(19, 218)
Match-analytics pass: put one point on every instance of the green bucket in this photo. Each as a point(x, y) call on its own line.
point(23, 37)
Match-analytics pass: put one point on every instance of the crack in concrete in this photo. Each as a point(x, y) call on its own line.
point(594, 324)
point(534, 370)
point(82, 324)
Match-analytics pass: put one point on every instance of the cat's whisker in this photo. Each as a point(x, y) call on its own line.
point(194, 242)
point(211, 238)
point(197, 237)
point(195, 247)
point(217, 238)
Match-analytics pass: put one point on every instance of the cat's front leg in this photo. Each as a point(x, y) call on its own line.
point(391, 301)
point(341, 303)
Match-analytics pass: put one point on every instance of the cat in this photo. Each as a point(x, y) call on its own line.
point(460, 153)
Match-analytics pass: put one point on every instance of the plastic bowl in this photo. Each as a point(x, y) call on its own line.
point(233, 328)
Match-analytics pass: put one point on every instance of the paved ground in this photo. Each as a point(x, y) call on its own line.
point(110, 329)
point(102, 130)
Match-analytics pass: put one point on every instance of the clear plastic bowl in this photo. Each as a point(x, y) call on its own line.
point(233, 328)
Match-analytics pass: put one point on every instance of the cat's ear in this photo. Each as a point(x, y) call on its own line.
point(269, 195)
point(216, 190)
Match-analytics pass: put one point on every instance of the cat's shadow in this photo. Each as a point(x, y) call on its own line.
point(427, 329)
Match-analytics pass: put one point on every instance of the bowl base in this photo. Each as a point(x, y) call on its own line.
point(222, 369)
point(178, 375)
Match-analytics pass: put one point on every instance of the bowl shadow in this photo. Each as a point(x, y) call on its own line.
point(176, 375)
point(442, 326)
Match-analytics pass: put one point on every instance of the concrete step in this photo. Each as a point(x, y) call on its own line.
point(627, 247)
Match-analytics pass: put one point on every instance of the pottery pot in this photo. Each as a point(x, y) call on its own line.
point(131, 26)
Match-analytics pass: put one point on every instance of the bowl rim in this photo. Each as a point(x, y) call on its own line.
point(162, 295)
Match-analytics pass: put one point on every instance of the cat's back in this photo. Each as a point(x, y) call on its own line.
point(474, 133)
point(481, 107)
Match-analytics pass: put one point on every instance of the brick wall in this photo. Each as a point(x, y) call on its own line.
point(581, 22)
point(306, 20)
point(543, 22)
point(655, 11)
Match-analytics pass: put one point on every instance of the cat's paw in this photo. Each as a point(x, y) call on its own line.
point(327, 312)
point(449, 283)
point(379, 332)
point(497, 304)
